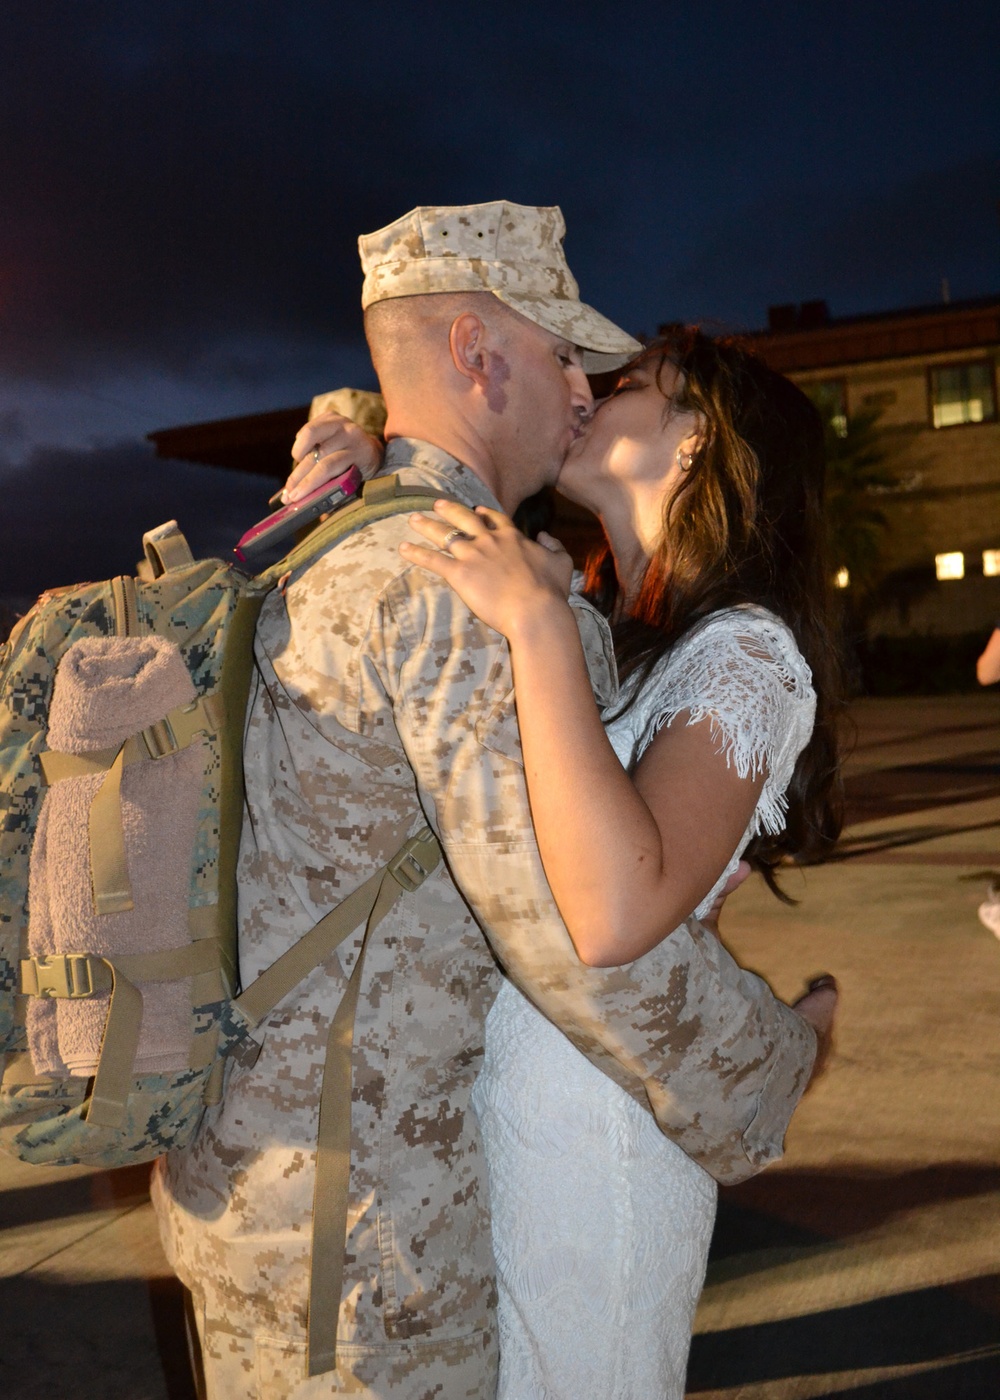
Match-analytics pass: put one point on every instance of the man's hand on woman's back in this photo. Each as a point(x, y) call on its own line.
point(818, 1007)
point(819, 1004)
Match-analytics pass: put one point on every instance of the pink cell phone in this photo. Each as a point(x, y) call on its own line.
point(261, 543)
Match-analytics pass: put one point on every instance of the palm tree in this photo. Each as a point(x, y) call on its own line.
point(856, 454)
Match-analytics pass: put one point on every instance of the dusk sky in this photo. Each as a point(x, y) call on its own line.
point(182, 185)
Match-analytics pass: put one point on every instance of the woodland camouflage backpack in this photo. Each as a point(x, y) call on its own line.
point(60, 974)
point(204, 611)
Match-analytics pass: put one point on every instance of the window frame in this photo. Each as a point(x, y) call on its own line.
point(931, 370)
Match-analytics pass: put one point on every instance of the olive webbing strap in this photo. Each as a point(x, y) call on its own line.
point(380, 498)
point(410, 866)
point(112, 889)
point(333, 1160)
point(82, 975)
point(56, 765)
point(116, 1067)
point(176, 730)
point(166, 549)
point(207, 987)
point(367, 905)
point(303, 957)
point(109, 1096)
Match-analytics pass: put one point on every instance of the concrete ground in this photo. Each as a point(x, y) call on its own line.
point(866, 1264)
point(868, 1261)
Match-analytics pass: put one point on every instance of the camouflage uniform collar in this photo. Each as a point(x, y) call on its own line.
point(455, 479)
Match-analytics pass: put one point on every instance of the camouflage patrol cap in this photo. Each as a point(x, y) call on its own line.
point(512, 250)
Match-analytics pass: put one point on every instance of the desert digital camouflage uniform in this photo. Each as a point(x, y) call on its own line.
point(382, 702)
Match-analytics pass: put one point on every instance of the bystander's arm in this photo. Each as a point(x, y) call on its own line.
point(988, 665)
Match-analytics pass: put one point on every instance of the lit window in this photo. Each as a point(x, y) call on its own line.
point(950, 565)
point(830, 397)
point(991, 562)
point(842, 579)
point(962, 394)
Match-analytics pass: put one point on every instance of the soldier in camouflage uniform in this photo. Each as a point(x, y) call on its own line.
point(381, 702)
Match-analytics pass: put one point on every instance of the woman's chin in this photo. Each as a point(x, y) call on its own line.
point(574, 476)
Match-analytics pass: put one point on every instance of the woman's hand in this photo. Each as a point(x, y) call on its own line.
point(506, 579)
point(324, 448)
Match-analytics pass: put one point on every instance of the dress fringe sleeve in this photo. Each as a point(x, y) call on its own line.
point(742, 673)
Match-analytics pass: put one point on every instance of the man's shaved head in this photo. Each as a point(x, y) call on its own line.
point(403, 333)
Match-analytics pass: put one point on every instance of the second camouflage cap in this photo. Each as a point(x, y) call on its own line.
point(512, 250)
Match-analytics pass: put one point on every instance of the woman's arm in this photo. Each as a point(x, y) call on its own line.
point(627, 860)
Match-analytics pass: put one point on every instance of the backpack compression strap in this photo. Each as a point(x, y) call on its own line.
point(81, 975)
point(175, 731)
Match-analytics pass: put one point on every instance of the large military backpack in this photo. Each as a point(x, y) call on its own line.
point(127, 829)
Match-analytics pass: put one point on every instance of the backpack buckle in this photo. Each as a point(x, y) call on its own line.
point(160, 740)
point(62, 975)
point(416, 859)
point(202, 717)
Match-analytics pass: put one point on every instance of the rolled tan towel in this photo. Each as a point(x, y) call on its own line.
point(107, 689)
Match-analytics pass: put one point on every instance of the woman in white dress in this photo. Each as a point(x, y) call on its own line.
point(706, 471)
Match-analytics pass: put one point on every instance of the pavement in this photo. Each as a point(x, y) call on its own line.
point(865, 1264)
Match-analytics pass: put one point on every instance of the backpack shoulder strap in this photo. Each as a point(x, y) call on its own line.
point(380, 498)
point(367, 906)
point(409, 867)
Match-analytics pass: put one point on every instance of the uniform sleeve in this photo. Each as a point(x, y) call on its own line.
point(743, 675)
point(688, 1033)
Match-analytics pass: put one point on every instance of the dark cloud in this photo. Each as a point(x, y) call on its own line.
point(180, 177)
point(69, 516)
point(182, 185)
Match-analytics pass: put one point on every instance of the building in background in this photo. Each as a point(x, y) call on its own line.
point(930, 375)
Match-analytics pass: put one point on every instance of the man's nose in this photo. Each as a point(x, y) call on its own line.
point(581, 395)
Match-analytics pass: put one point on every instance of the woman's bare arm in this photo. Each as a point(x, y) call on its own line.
point(627, 860)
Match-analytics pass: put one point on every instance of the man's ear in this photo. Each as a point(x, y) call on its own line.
point(467, 341)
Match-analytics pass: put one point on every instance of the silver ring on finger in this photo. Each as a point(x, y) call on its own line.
point(451, 537)
point(317, 454)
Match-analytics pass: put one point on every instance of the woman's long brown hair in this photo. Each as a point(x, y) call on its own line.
point(744, 526)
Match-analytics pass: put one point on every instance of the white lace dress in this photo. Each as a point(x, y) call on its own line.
point(601, 1225)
